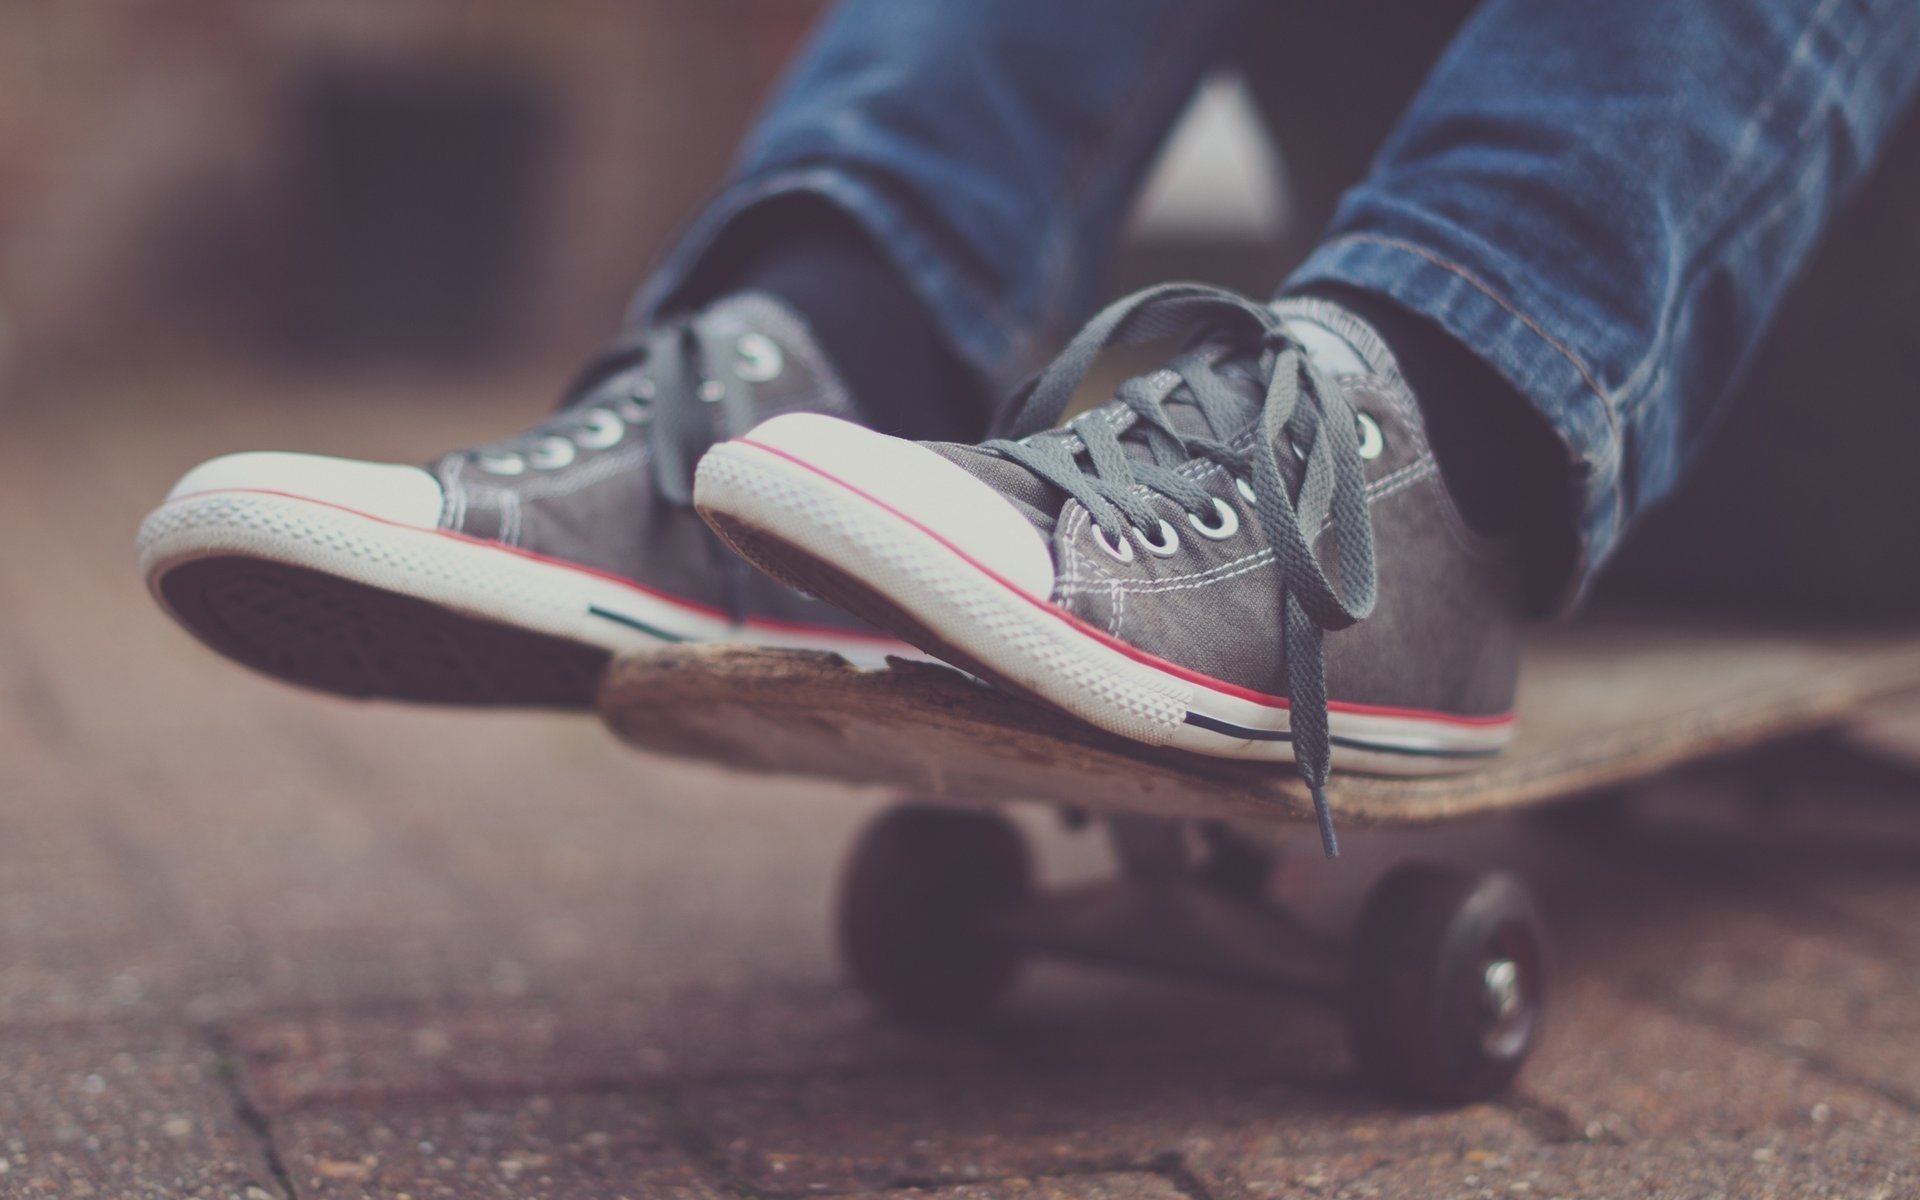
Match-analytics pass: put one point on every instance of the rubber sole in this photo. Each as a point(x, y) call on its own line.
point(328, 598)
point(320, 631)
point(826, 536)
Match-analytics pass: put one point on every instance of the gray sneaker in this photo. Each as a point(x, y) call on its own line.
point(509, 573)
point(1166, 566)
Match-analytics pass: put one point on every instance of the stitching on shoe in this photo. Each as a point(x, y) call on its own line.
point(568, 482)
point(453, 509)
point(1085, 583)
point(510, 518)
point(1400, 477)
point(1240, 567)
point(1071, 579)
point(1225, 570)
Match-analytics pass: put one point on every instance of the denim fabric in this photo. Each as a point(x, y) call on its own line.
point(991, 146)
point(1604, 201)
point(1607, 201)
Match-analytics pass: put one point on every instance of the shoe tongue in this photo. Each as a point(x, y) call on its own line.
point(798, 377)
point(755, 312)
point(1245, 391)
point(1336, 342)
point(1041, 502)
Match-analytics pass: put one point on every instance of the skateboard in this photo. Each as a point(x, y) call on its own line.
point(1442, 974)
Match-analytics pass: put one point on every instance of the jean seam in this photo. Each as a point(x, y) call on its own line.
point(1598, 505)
point(1486, 289)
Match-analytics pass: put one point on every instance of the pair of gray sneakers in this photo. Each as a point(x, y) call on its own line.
point(1248, 553)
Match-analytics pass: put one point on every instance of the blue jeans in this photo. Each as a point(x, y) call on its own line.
point(1602, 201)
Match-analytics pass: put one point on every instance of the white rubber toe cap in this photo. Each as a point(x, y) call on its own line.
point(915, 483)
point(389, 491)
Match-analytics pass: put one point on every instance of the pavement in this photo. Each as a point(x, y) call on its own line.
point(256, 943)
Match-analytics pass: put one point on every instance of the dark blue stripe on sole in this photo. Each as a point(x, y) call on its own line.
point(631, 623)
point(1239, 731)
point(1228, 728)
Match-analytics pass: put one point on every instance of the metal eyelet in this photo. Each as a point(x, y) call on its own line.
point(1245, 489)
point(502, 464)
point(1167, 546)
point(552, 453)
point(712, 391)
point(760, 358)
point(604, 429)
point(1372, 442)
point(644, 388)
point(1121, 553)
point(1226, 522)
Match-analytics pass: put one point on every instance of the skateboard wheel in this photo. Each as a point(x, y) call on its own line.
point(919, 904)
point(1446, 983)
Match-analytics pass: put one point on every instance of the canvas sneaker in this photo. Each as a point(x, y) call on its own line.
point(507, 574)
point(1249, 553)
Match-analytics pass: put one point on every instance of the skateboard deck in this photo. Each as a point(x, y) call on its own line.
point(1602, 703)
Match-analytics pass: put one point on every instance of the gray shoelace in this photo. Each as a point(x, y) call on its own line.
point(674, 398)
point(1089, 461)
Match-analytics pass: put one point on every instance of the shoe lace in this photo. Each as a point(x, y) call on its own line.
point(676, 380)
point(1089, 460)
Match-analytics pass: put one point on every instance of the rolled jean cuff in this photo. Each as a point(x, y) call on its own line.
point(987, 336)
point(1521, 348)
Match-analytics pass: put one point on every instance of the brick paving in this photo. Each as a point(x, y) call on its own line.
point(259, 944)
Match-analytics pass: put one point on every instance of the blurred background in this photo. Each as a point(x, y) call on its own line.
point(254, 942)
point(366, 187)
point(355, 186)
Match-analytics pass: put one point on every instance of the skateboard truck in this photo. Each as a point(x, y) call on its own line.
point(1441, 975)
point(1441, 980)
